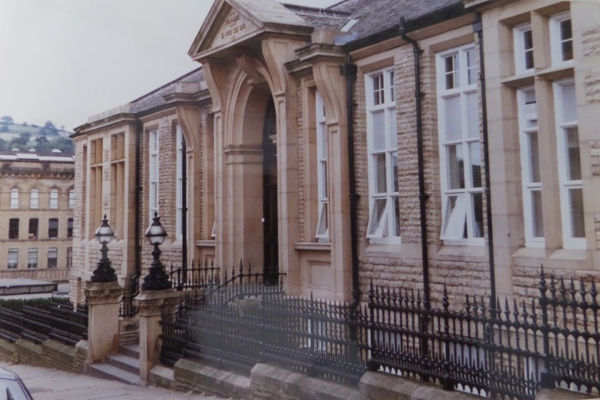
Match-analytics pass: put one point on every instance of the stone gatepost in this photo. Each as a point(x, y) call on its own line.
point(151, 304)
point(103, 319)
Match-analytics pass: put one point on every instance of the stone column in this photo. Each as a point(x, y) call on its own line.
point(103, 319)
point(150, 304)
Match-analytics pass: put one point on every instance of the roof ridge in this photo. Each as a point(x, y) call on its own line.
point(166, 84)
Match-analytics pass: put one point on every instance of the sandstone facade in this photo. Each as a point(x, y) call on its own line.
point(254, 137)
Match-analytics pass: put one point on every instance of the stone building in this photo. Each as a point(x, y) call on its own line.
point(37, 199)
point(351, 144)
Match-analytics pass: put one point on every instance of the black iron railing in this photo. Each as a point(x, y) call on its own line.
point(505, 350)
point(127, 307)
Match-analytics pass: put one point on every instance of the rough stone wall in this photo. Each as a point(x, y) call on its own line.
point(49, 354)
point(401, 265)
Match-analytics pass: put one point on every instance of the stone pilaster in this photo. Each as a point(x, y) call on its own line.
point(150, 304)
point(103, 319)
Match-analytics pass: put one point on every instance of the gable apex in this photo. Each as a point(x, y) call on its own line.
point(232, 21)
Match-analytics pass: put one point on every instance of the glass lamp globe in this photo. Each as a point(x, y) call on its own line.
point(104, 233)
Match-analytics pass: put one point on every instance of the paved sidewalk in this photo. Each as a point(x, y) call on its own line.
point(49, 384)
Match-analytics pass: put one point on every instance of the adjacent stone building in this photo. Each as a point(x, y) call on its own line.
point(37, 199)
point(369, 141)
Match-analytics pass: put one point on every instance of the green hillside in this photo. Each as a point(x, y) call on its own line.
point(26, 137)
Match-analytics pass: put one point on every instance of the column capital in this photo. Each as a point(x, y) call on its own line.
point(151, 302)
point(103, 292)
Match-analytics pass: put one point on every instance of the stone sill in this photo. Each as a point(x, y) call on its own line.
point(205, 243)
point(313, 246)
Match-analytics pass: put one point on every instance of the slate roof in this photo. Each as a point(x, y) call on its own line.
point(379, 15)
point(372, 16)
point(320, 18)
point(191, 82)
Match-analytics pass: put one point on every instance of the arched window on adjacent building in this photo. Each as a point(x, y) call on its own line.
point(53, 202)
point(14, 198)
point(34, 197)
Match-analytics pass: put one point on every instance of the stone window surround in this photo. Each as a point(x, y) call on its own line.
point(469, 191)
point(322, 228)
point(153, 172)
point(179, 142)
point(521, 52)
point(379, 231)
point(52, 258)
point(34, 198)
point(53, 199)
point(72, 200)
point(13, 258)
point(14, 198)
point(564, 127)
point(530, 174)
point(547, 70)
point(32, 258)
point(556, 39)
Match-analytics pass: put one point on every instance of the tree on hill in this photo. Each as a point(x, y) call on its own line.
point(20, 142)
point(49, 129)
point(3, 145)
point(64, 144)
point(7, 119)
point(3, 128)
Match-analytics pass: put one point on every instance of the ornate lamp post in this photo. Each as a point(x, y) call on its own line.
point(157, 278)
point(104, 271)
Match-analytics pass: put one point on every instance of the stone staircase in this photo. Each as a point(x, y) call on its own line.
point(123, 366)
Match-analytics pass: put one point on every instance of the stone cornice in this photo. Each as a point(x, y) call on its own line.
point(121, 118)
point(7, 170)
point(314, 53)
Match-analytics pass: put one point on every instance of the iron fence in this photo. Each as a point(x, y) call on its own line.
point(502, 350)
point(127, 307)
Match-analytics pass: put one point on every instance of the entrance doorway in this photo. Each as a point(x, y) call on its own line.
point(269, 148)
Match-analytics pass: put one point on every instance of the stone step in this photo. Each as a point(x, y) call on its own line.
point(107, 371)
point(125, 362)
point(131, 350)
point(129, 337)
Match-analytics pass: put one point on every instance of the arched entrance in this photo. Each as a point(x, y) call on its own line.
point(250, 180)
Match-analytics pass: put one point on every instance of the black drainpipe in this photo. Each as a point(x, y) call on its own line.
point(349, 71)
point(423, 196)
point(138, 189)
point(478, 29)
point(184, 249)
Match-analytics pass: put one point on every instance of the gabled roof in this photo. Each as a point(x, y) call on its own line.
point(232, 21)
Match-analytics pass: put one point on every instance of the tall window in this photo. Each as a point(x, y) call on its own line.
point(53, 203)
point(53, 228)
point(153, 172)
point(69, 257)
point(33, 228)
point(52, 257)
point(14, 198)
point(382, 147)
point(460, 153)
point(34, 198)
point(322, 182)
point(530, 167)
point(13, 228)
point(523, 42)
point(13, 258)
point(71, 199)
point(561, 38)
point(180, 159)
point(69, 228)
point(32, 258)
point(569, 165)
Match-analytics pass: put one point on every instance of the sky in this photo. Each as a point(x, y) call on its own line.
point(64, 60)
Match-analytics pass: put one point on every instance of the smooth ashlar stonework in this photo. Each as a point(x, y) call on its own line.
point(103, 319)
point(150, 304)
